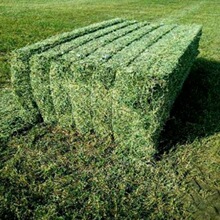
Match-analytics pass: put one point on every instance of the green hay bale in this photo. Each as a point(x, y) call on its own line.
point(80, 84)
point(58, 77)
point(145, 91)
point(40, 66)
point(79, 90)
point(20, 67)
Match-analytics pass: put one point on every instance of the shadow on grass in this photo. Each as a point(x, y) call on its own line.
point(196, 112)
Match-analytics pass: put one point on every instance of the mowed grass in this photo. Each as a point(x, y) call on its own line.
point(50, 173)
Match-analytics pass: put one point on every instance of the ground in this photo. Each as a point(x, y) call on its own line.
point(51, 173)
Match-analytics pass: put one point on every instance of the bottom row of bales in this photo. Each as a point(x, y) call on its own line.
point(131, 100)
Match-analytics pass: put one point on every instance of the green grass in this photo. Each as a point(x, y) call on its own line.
point(50, 173)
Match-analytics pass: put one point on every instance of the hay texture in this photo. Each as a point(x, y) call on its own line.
point(81, 83)
point(117, 78)
point(95, 73)
point(103, 78)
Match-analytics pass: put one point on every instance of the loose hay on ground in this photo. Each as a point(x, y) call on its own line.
point(13, 116)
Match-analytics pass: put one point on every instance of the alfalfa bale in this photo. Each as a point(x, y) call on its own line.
point(40, 66)
point(145, 91)
point(60, 96)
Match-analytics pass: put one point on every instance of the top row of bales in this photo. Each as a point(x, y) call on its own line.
point(117, 78)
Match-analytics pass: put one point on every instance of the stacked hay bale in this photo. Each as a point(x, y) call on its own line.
point(145, 90)
point(117, 78)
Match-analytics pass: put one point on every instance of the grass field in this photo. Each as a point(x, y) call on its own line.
point(51, 173)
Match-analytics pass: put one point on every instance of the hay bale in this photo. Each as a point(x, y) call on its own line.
point(117, 78)
point(20, 67)
point(145, 90)
point(60, 96)
point(104, 76)
point(104, 63)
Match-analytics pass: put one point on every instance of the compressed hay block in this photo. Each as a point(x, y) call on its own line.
point(131, 99)
point(40, 66)
point(60, 69)
point(145, 91)
point(20, 67)
point(80, 84)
